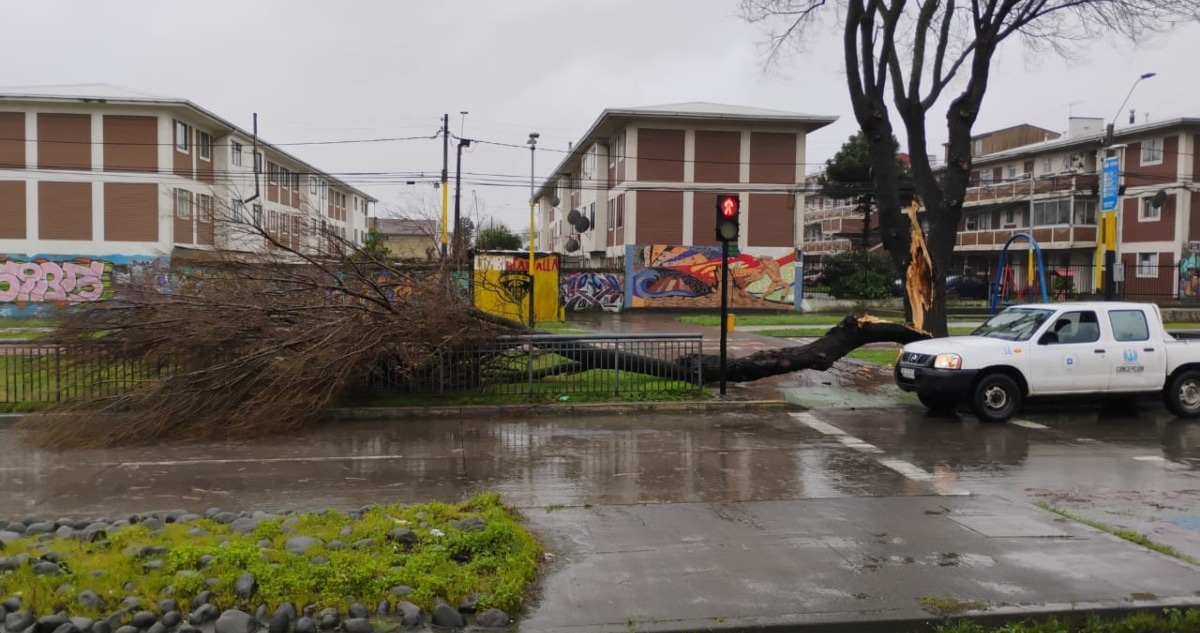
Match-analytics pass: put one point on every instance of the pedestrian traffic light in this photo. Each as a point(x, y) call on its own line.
point(729, 210)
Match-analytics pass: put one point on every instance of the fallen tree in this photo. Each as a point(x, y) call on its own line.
point(255, 345)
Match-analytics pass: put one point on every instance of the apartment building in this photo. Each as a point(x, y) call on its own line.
point(645, 176)
point(103, 181)
point(1050, 189)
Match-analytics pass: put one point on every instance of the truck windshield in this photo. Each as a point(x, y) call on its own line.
point(1014, 324)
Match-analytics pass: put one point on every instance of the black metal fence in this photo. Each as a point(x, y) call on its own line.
point(538, 365)
point(43, 373)
point(826, 275)
point(558, 365)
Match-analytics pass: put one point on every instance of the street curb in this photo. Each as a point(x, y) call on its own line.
point(555, 409)
point(863, 622)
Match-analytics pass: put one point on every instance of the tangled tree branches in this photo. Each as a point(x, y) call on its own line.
point(251, 345)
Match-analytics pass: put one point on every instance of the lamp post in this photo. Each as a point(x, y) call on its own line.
point(1110, 195)
point(532, 142)
point(458, 245)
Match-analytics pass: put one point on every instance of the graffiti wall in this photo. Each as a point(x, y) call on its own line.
point(31, 285)
point(1189, 273)
point(580, 291)
point(663, 276)
point(502, 284)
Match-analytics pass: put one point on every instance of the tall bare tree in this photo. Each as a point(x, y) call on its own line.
point(910, 52)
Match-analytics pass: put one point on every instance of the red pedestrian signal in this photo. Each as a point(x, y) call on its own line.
point(728, 220)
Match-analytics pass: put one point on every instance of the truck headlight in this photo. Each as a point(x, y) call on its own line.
point(948, 361)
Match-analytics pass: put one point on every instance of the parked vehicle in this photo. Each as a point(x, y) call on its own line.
point(957, 286)
point(1055, 349)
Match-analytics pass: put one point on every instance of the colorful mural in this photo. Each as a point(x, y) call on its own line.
point(1189, 274)
point(580, 291)
point(662, 276)
point(30, 285)
point(502, 284)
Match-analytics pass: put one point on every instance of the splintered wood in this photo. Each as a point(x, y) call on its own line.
point(918, 279)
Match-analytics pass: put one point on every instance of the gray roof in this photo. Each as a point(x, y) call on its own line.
point(405, 226)
point(109, 93)
point(613, 119)
point(1092, 141)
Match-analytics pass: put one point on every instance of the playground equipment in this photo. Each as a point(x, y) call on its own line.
point(1004, 278)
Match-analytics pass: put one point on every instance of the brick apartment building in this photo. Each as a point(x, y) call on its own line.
point(99, 170)
point(651, 175)
point(1030, 180)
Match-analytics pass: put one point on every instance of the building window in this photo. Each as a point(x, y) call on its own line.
point(183, 135)
point(621, 211)
point(609, 216)
point(183, 204)
point(285, 177)
point(258, 162)
point(1149, 211)
point(235, 153)
point(205, 207)
point(1010, 217)
point(272, 223)
point(1012, 172)
point(204, 145)
point(324, 190)
point(986, 176)
point(237, 209)
point(1052, 212)
point(271, 173)
point(1152, 151)
point(1147, 265)
point(1085, 212)
point(1047, 165)
point(257, 209)
point(285, 221)
point(296, 182)
point(312, 185)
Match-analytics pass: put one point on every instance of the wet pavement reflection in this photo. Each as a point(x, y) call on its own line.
point(1129, 467)
point(593, 460)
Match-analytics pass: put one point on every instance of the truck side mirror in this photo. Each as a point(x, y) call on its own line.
point(1049, 338)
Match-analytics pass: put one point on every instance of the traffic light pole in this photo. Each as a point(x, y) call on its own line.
point(724, 308)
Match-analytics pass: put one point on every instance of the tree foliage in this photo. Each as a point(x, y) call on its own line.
point(374, 247)
point(910, 53)
point(849, 173)
point(498, 238)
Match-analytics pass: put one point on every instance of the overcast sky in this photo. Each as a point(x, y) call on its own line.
point(360, 69)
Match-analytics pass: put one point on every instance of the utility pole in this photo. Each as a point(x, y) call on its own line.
point(445, 180)
point(458, 245)
point(533, 139)
point(1110, 191)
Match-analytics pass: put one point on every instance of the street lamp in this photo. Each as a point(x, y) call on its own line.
point(532, 142)
point(1110, 188)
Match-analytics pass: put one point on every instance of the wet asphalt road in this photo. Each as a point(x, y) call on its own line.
point(1136, 469)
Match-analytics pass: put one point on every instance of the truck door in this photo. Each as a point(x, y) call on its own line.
point(1069, 357)
point(1139, 363)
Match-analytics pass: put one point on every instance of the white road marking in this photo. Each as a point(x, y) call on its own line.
point(857, 444)
point(185, 462)
point(1149, 458)
point(907, 469)
point(1029, 425)
point(811, 421)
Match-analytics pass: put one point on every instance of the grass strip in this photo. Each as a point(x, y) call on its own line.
point(445, 557)
point(1167, 621)
point(1128, 535)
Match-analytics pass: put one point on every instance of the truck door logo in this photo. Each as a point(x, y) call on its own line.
point(1131, 355)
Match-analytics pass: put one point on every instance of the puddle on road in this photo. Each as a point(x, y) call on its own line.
point(535, 464)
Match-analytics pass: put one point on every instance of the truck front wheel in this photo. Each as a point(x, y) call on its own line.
point(1182, 395)
point(996, 398)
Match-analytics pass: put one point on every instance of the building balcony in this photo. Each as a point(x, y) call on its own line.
point(815, 214)
point(1048, 237)
point(1026, 188)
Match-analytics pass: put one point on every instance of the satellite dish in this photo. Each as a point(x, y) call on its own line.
point(582, 224)
point(1159, 199)
point(572, 245)
point(554, 202)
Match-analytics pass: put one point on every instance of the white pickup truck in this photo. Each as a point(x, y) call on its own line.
point(1055, 349)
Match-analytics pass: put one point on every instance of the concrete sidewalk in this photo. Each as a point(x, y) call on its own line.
point(858, 564)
